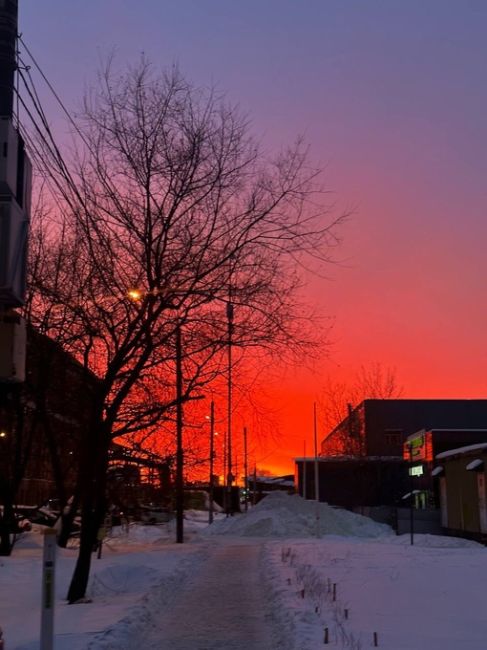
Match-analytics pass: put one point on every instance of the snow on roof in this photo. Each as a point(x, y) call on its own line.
point(462, 450)
point(437, 470)
point(322, 459)
point(283, 515)
point(272, 480)
point(475, 464)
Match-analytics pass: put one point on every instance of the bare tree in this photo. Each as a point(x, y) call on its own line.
point(370, 382)
point(168, 213)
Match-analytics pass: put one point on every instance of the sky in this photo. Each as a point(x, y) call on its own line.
point(391, 97)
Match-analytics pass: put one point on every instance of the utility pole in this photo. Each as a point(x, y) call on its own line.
point(212, 454)
point(317, 474)
point(246, 471)
point(229, 508)
point(254, 495)
point(179, 439)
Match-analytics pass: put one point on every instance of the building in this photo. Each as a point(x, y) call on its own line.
point(362, 462)
point(462, 479)
point(41, 423)
point(353, 483)
point(379, 427)
point(420, 450)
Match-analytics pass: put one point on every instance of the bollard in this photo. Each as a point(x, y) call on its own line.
point(325, 640)
point(334, 591)
point(48, 598)
point(376, 641)
point(345, 613)
point(302, 593)
point(289, 581)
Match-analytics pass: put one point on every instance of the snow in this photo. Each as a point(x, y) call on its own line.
point(475, 464)
point(461, 450)
point(437, 470)
point(283, 515)
point(263, 580)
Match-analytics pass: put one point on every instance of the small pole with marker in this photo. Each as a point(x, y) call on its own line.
point(48, 589)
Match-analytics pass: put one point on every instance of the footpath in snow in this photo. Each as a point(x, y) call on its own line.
point(223, 606)
point(277, 577)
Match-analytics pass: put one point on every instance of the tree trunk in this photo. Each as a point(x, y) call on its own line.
point(92, 508)
point(7, 525)
point(67, 518)
point(79, 581)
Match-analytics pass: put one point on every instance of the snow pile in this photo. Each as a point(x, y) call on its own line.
point(284, 515)
point(114, 580)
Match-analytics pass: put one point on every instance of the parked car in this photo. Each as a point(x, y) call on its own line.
point(23, 525)
point(155, 514)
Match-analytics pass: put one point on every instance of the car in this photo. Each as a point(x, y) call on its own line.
point(155, 514)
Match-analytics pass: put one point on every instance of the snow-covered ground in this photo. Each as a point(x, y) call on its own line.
point(316, 573)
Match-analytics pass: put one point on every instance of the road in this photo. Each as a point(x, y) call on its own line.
point(221, 607)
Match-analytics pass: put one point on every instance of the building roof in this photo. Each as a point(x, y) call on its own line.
point(482, 446)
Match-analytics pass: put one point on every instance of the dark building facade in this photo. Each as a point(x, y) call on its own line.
point(353, 482)
point(362, 461)
point(42, 421)
point(379, 427)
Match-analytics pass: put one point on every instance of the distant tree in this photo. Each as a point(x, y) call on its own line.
point(170, 219)
point(337, 398)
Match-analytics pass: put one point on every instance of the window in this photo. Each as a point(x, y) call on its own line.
point(393, 437)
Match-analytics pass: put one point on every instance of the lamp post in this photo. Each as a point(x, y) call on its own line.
point(179, 440)
point(137, 295)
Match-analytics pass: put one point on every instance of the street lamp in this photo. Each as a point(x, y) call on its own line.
point(137, 295)
point(179, 440)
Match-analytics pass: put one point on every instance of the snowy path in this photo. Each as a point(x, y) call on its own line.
point(222, 607)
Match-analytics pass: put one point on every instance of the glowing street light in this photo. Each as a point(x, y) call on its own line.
point(135, 294)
